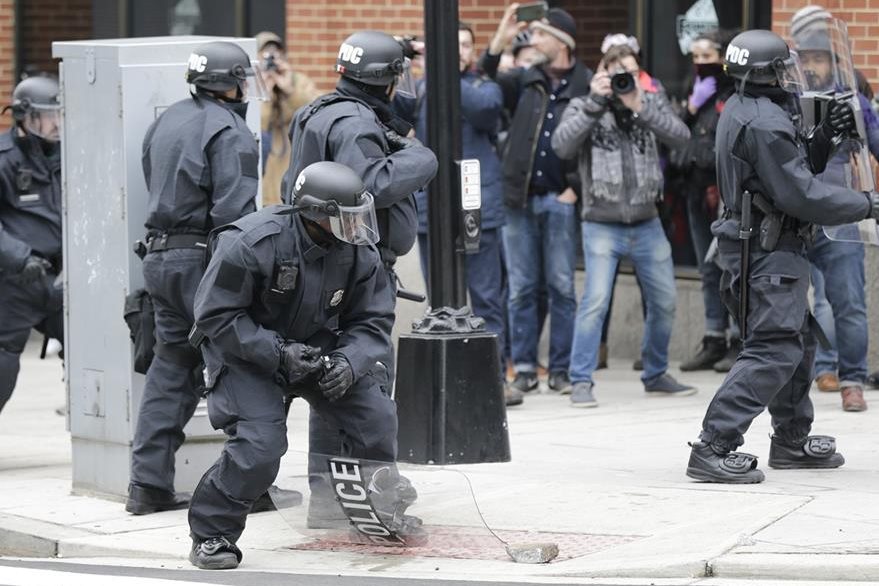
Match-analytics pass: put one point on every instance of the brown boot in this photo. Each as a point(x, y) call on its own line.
point(827, 382)
point(853, 399)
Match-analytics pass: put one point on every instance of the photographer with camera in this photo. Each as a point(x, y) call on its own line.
point(540, 190)
point(613, 133)
point(288, 91)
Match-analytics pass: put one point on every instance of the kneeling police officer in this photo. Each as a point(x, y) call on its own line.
point(294, 301)
point(766, 172)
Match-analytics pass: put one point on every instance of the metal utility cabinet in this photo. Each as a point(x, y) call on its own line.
point(111, 91)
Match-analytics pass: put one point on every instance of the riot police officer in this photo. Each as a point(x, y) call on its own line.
point(772, 198)
point(30, 224)
point(201, 166)
point(355, 126)
point(294, 300)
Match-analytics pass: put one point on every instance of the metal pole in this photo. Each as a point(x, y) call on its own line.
point(446, 286)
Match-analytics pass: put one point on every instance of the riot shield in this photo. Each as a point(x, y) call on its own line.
point(373, 507)
point(824, 50)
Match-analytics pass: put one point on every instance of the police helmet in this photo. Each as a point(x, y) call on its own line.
point(332, 192)
point(371, 57)
point(220, 66)
point(762, 57)
point(36, 108)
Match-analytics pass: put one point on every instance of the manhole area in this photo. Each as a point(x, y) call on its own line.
point(467, 543)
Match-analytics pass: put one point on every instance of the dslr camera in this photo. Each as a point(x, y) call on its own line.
point(622, 82)
point(269, 63)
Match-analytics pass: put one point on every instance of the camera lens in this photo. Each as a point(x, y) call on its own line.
point(622, 83)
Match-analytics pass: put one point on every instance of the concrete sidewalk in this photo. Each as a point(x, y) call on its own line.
point(608, 484)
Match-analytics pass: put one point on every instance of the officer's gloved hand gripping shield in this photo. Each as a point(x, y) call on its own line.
point(824, 50)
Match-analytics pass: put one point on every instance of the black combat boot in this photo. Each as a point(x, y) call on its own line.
point(709, 464)
point(391, 494)
point(815, 451)
point(216, 553)
point(732, 354)
point(712, 349)
point(143, 500)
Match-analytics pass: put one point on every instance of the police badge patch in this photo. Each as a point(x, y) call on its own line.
point(336, 299)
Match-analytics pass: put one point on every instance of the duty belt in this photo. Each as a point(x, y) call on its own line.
point(171, 241)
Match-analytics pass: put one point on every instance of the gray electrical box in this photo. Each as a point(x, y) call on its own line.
point(111, 91)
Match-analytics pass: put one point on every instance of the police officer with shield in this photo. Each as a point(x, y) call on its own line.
point(355, 126)
point(766, 174)
point(295, 301)
point(30, 224)
point(201, 165)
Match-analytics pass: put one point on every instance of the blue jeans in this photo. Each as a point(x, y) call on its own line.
point(541, 237)
point(842, 266)
point(604, 244)
point(716, 317)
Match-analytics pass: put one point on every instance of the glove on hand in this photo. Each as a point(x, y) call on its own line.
point(874, 205)
point(298, 361)
point(703, 89)
point(33, 270)
point(337, 378)
point(397, 142)
point(840, 118)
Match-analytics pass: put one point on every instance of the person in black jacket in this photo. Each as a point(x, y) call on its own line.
point(697, 179)
point(763, 157)
point(201, 166)
point(540, 191)
point(30, 224)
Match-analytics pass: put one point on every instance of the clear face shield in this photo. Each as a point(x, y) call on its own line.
point(355, 224)
point(44, 122)
point(253, 87)
point(790, 74)
point(825, 55)
point(405, 86)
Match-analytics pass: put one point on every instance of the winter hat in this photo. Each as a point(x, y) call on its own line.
point(804, 18)
point(559, 24)
point(620, 39)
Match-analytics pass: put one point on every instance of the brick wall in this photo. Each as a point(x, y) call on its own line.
point(44, 21)
point(314, 31)
point(862, 17)
point(7, 56)
point(596, 19)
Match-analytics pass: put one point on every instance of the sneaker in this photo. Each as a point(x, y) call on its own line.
point(513, 396)
point(276, 497)
point(711, 350)
point(827, 382)
point(873, 380)
point(853, 399)
point(144, 500)
point(216, 553)
point(815, 451)
point(667, 386)
point(560, 383)
point(525, 382)
point(581, 395)
point(638, 364)
point(732, 354)
point(709, 465)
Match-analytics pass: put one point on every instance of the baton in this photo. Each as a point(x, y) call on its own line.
point(745, 232)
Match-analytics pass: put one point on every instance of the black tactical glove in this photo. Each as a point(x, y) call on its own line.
point(398, 142)
point(840, 117)
point(337, 378)
point(298, 361)
point(33, 270)
point(874, 205)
